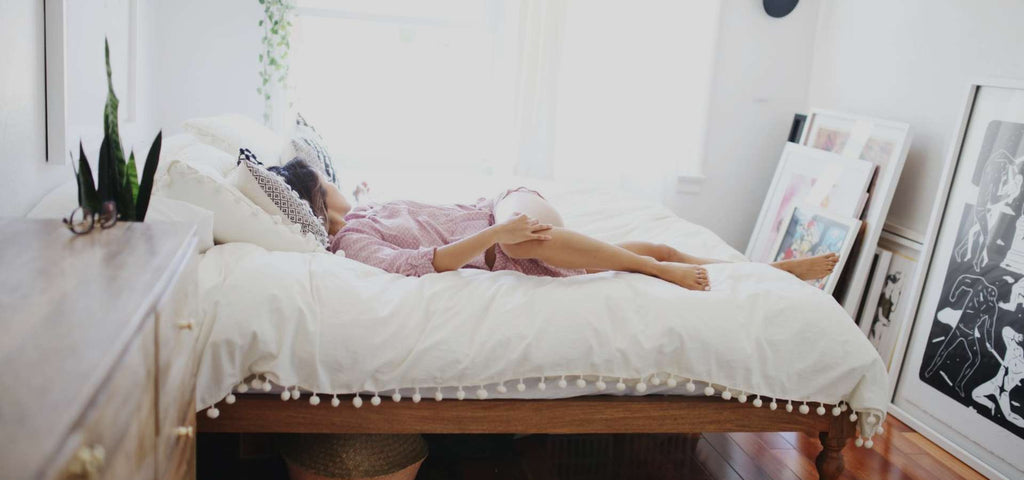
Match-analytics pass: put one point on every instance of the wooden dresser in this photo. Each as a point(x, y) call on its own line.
point(100, 344)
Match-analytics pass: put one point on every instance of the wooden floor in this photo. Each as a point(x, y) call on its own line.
point(900, 453)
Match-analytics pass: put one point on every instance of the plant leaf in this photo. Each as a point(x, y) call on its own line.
point(109, 186)
point(88, 198)
point(148, 172)
point(130, 187)
point(110, 129)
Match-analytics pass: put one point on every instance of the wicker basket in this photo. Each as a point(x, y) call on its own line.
point(352, 457)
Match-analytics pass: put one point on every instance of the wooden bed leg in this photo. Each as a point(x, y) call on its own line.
point(830, 460)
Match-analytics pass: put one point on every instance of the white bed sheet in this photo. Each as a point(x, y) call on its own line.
point(327, 324)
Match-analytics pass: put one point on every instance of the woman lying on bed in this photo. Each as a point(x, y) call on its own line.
point(518, 230)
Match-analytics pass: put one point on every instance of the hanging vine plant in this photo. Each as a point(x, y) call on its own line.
point(276, 24)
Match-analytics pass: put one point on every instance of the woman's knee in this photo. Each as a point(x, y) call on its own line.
point(527, 203)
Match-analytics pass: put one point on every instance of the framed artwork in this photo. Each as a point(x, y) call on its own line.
point(77, 46)
point(879, 266)
point(885, 144)
point(810, 177)
point(810, 231)
point(963, 374)
point(886, 314)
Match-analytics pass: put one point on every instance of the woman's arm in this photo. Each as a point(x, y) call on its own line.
point(519, 228)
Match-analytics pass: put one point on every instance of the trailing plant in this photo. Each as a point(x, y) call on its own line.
point(277, 26)
point(118, 178)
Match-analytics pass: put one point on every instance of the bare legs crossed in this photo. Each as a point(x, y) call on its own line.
point(570, 249)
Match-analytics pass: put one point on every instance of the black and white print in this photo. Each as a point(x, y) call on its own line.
point(975, 347)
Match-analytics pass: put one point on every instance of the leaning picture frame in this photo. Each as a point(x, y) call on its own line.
point(810, 231)
point(884, 143)
point(814, 178)
point(960, 382)
point(887, 313)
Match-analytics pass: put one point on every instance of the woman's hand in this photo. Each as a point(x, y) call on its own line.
point(521, 228)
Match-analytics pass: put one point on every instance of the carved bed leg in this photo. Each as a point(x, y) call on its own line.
point(830, 460)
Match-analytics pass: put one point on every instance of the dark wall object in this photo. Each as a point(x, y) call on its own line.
point(779, 8)
point(797, 128)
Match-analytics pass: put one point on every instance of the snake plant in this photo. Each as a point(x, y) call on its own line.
point(118, 178)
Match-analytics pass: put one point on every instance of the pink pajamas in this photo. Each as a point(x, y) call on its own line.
point(401, 236)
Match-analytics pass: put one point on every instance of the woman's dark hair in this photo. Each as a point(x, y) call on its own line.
point(306, 182)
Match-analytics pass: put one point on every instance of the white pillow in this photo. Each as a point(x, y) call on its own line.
point(59, 203)
point(233, 131)
point(236, 218)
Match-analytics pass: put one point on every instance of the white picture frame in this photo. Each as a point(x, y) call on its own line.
point(71, 113)
point(812, 177)
point(882, 142)
point(879, 267)
point(889, 291)
point(824, 240)
point(952, 419)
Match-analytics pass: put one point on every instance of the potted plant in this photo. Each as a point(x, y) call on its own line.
point(119, 193)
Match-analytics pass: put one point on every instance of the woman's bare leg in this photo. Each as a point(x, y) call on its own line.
point(810, 268)
point(569, 249)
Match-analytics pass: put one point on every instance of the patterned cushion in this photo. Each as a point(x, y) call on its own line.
point(309, 145)
point(293, 207)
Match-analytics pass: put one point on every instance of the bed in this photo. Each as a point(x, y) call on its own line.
point(317, 343)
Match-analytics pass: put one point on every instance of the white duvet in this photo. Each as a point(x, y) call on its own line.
point(327, 324)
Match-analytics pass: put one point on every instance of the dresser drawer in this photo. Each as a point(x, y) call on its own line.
point(179, 328)
point(114, 438)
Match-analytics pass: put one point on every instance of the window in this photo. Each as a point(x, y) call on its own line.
point(596, 89)
point(397, 85)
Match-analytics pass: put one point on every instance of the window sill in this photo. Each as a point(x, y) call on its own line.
point(689, 183)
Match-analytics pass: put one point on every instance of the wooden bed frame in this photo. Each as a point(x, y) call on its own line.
point(256, 413)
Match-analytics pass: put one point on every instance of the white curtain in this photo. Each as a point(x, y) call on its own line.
point(615, 92)
point(541, 27)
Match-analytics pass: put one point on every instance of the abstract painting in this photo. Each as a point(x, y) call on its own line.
point(809, 232)
point(810, 177)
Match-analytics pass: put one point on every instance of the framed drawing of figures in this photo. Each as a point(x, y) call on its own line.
point(883, 143)
point(886, 314)
point(963, 375)
point(809, 177)
point(808, 232)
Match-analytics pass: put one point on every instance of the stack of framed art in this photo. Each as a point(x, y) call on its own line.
point(812, 183)
point(884, 144)
point(962, 378)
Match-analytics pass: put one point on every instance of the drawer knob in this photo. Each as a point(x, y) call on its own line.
point(186, 325)
point(183, 431)
point(88, 461)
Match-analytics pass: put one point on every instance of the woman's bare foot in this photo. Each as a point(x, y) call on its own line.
point(810, 268)
point(692, 277)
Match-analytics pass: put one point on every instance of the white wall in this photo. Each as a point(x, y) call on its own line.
point(762, 70)
point(910, 60)
point(207, 60)
point(24, 174)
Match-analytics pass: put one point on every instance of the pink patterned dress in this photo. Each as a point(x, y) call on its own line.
point(401, 237)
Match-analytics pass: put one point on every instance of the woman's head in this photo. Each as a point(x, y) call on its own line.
point(324, 198)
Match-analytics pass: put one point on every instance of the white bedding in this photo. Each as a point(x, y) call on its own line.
point(327, 324)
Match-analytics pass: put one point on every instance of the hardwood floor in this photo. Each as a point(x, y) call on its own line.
point(900, 453)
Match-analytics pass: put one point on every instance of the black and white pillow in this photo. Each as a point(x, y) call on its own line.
point(310, 146)
point(290, 204)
